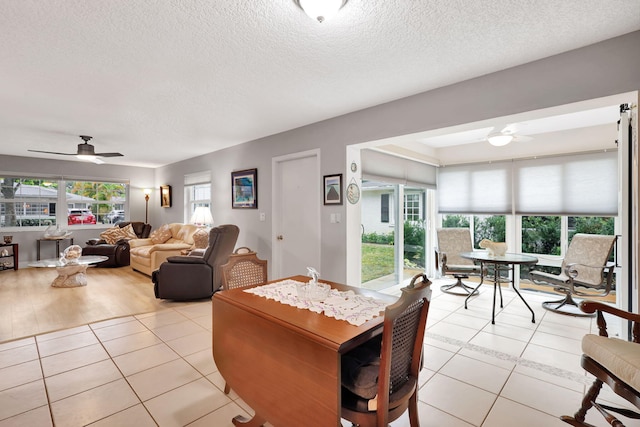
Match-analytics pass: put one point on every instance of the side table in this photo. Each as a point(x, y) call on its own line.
point(5, 264)
point(57, 242)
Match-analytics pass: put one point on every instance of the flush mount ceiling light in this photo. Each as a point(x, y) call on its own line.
point(499, 139)
point(321, 10)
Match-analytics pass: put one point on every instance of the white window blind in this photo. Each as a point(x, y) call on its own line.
point(578, 184)
point(382, 167)
point(197, 178)
point(477, 188)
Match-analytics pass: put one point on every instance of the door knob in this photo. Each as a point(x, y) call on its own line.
point(279, 237)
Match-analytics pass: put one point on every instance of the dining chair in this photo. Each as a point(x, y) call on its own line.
point(399, 363)
point(612, 361)
point(584, 267)
point(243, 269)
point(451, 243)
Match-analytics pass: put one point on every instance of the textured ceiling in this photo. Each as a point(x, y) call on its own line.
point(166, 80)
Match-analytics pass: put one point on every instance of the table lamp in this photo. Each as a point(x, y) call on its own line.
point(203, 219)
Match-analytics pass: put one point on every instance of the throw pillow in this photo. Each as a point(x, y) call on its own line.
point(200, 239)
point(129, 232)
point(161, 235)
point(112, 235)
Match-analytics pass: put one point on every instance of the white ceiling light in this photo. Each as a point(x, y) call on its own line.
point(499, 139)
point(321, 10)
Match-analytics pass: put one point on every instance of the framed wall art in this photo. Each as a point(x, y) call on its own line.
point(165, 196)
point(333, 189)
point(244, 189)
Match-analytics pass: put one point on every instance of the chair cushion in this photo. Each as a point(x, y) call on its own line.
point(621, 358)
point(360, 368)
point(161, 235)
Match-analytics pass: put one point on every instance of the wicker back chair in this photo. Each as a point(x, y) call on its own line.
point(243, 269)
point(584, 267)
point(400, 362)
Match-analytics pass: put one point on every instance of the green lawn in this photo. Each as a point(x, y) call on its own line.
point(377, 261)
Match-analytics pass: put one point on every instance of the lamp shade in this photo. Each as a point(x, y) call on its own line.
point(202, 216)
point(499, 139)
point(321, 10)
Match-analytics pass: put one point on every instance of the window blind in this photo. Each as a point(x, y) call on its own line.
point(578, 184)
point(197, 178)
point(378, 166)
point(477, 188)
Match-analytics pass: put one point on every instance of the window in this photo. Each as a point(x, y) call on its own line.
point(384, 208)
point(27, 202)
point(412, 207)
point(90, 202)
point(541, 235)
point(197, 192)
point(36, 201)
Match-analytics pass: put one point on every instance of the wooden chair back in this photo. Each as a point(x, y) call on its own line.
point(400, 360)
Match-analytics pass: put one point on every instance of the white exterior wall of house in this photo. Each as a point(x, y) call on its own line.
point(371, 211)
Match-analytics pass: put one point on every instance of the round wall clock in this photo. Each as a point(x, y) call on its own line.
point(353, 193)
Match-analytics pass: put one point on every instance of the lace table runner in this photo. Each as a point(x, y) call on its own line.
point(342, 305)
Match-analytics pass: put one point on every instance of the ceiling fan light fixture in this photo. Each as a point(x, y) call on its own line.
point(321, 10)
point(499, 139)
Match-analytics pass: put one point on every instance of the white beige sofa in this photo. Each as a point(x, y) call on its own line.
point(146, 256)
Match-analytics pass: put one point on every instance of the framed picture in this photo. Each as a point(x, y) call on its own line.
point(165, 196)
point(333, 189)
point(244, 189)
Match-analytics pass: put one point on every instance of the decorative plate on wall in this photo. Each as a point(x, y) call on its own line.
point(353, 193)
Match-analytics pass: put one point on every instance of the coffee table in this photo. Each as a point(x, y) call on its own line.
point(505, 262)
point(70, 274)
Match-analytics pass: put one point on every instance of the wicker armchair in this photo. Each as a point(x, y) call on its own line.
point(399, 363)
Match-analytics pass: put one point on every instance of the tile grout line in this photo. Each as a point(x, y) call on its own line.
point(515, 359)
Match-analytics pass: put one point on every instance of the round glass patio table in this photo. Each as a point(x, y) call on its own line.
point(506, 262)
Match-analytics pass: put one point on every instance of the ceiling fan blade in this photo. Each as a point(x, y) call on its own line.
point(53, 152)
point(522, 138)
point(109, 154)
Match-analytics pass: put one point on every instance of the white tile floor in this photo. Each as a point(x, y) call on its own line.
point(157, 369)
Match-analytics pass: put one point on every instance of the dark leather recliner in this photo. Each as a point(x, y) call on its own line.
point(197, 275)
point(118, 253)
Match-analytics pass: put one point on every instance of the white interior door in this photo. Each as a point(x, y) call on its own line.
point(296, 216)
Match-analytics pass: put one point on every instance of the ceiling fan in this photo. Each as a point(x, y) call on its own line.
point(505, 135)
point(85, 151)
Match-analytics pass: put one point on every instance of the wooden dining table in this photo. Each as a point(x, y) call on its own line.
point(283, 361)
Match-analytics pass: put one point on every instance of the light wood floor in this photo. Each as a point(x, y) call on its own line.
point(30, 306)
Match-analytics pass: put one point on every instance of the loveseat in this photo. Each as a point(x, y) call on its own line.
point(169, 240)
point(114, 243)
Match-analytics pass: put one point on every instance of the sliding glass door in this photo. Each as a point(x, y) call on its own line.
point(393, 233)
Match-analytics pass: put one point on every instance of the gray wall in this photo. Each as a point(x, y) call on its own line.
point(603, 69)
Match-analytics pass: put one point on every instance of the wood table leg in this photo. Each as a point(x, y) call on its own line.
point(256, 421)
